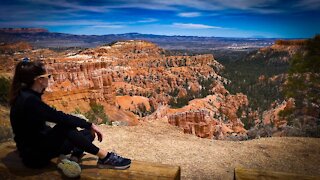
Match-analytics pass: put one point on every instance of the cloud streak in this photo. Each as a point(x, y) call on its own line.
point(109, 26)
point(256, 6)
point(290, 18)
point(60, 23)
point(194, 26)
point(308, 4)
point(69, 5)
point(189, 14)
point(147, 20)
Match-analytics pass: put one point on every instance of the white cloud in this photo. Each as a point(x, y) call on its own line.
point(75, 6)
point(109, 26)
point(257, 6)
point(308, 4)
point(189, 14)
point(161, 5)
point(245, 4)
point(147, 20)
point(207, 5)
point(194, 26)
point(61, 23)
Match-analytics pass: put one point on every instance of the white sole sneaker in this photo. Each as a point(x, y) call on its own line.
point(105, 166)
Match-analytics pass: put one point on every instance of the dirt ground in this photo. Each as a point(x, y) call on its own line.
point(157, 141)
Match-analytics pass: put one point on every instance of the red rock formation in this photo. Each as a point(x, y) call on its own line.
point(289, 48)
point(15, 47)
point(291, 42)
point(130, 78)
point(135, 68)
point(272, 116)
point(198, 123)
point(210, 117)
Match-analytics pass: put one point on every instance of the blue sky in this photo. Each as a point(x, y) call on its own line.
point(221, 18)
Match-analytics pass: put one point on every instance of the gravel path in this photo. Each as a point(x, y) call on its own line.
point(157, 141)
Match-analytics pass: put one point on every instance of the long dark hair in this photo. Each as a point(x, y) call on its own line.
point(25, 73)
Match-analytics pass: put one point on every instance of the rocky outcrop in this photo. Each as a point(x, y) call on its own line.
point(211, 117)
point(194, 122)
point(280, 122)
point(279, 53)
point(272, 116)
point(123, 69)
point(19, 47)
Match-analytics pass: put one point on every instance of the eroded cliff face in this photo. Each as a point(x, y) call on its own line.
point(279, 53)
point(211, 117)
point(297, 115)
point(272, 116)
point(132, 79)
point(135, 68)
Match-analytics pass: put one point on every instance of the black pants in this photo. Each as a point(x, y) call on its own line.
point(61, 140)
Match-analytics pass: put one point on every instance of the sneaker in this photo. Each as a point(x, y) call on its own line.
point(113, 161)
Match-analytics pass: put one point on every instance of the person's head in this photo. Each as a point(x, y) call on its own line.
point(28, 75)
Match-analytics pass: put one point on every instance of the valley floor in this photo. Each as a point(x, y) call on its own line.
point(157, 141)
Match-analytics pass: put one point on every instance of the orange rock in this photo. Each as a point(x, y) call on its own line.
point(130, 76)
point(182, 93)
point(272, 115)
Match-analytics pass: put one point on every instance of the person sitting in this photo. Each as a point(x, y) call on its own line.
point(38, 143)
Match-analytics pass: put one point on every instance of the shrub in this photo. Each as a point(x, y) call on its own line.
point(260, 131)
point(5, 133)
point(4, 90)
point(5, 126)
point(77, 111)
point(97, 112)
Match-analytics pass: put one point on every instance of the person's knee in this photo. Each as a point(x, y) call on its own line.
point(62, 129)
point(73, 132)
point(86, 133)
point(89, 134)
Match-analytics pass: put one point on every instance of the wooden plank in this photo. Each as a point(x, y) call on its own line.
point(138, 170)
point(12, 168)
point(253, 174)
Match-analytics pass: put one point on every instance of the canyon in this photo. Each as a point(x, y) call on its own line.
point(136, 81)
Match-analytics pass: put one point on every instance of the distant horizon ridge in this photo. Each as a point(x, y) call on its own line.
point(45, 30)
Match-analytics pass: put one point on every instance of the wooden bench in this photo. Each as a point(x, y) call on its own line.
point(12, 168)
point(253, 174)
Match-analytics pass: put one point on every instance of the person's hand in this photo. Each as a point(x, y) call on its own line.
point(95, 130)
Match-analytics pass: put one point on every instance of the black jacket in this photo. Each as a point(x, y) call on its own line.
point(28, 116)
